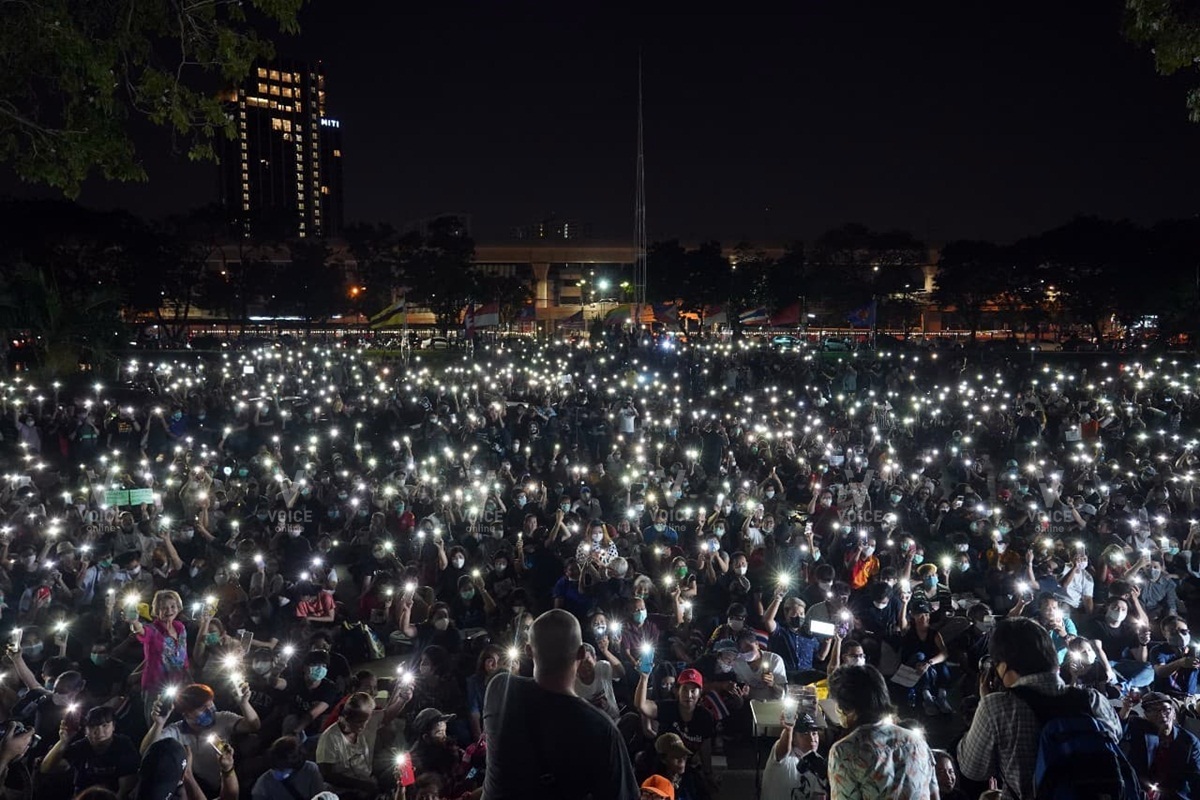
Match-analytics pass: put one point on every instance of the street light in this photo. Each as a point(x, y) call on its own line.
point(603, 284)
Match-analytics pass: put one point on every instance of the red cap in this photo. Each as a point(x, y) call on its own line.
point(690, 676)
point(659, 786)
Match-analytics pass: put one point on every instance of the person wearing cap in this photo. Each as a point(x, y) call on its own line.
point(763, 671)
point(795, 770)
point(524, 720)
point(1162, 753)
point(433, 751)
point(656, 787)
point(344, 754)
point(287, 767)
point(165, 773)
point(196, 704)
point(876, 758)
point(668, 761)
point(923, 649)
point(684, 716)
point(98, 758)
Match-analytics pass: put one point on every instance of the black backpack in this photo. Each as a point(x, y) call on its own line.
point(1077, 757)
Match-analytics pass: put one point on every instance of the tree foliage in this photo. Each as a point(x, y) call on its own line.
point(77, 72)
point(438, 265)
point(1171, 28)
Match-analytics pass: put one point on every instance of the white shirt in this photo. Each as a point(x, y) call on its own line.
point(628, 416)
point(783, 780)
point(334, 748)
point(771, 662)
point(599, 692)
point(1082, 585)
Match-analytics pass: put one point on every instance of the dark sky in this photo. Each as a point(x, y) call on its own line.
point(949, 119)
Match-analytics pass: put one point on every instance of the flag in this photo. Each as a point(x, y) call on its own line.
point(487, 315)
point(755, 316)
point(573, 322)
point(863, 316)
point(787, 316)
point(387, 312)
point(666, 312)
point(469, 320)
point(393, 316)
point(619, 315)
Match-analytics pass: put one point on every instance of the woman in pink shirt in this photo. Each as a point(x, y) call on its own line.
point(164, 647)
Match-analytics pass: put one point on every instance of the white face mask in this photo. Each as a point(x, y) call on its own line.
point(458, 563)
point(741, 570)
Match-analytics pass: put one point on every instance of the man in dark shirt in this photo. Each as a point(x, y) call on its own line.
point(98, 758)
point(792, 640)
point(520, 717)
point(311, 697)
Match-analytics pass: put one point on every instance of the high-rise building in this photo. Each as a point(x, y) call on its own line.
point(282, 175)
point(554, 229)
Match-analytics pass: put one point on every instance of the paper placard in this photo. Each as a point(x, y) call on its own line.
point(139, 497)
point(906, 676)
point(116, 497)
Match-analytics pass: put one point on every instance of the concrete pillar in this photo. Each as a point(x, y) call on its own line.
point(541, 303)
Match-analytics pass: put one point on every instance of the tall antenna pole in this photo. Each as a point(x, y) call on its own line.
point(639, 222)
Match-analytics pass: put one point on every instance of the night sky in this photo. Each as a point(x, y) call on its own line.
point(948, 119)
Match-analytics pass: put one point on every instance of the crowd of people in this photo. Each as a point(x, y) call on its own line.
point(601, 569)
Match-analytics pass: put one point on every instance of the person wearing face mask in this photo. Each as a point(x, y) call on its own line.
point(195, 703)
point(287, 767)
point(1176, 665)
point(876, 758)
point(660, 532)
point(763, 671)
point(436, 629)
point(791, 640)
point(309, 696)
point(1086, 666)
point(861, 562)
point(795, 769)
point(1021, 677)
point(1077, 585)
point(1158, 590)
point(502, 579)
point(685, 717)
point(1125, 638)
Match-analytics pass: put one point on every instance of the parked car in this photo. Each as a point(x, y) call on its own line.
point(436, 343)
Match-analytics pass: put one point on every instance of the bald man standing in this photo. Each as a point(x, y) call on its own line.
point(543, 740)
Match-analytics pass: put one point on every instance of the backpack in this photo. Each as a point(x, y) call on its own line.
point(1077, 756)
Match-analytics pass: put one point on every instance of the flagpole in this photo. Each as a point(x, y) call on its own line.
point(404, 343)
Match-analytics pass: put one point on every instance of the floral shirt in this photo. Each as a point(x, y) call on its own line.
point(882, 762)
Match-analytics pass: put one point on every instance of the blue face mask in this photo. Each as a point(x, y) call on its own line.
point(212, 639)
point(639, 616)
point(918, 558)
point(930, 583)
point(317, 673)
point(281, 774)
point(334, 513)
point(205, 718)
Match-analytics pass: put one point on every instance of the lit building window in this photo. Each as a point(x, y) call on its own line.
point(287, 77)
point(262, 88)
point(274, 90)
point(287, 91)
point(337, 153)
point(262, 73)
point(274, 74)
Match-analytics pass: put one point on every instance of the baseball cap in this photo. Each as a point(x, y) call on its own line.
point(724, 646)
point(429, 717)
point(806, 724)
point(690, 676)
point(659, 786)
point(162, 770)
point(1155, 699)
point(669, 744)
